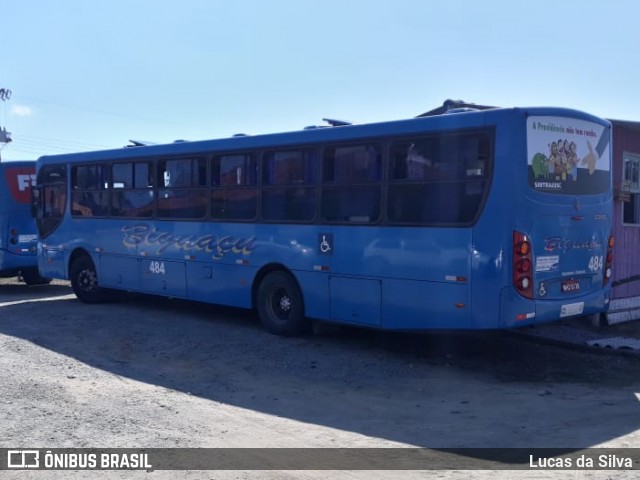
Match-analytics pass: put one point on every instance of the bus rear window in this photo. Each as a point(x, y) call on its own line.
point(568, 156)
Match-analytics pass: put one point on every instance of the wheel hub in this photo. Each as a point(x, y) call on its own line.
point(285, 303)
point(87, 280)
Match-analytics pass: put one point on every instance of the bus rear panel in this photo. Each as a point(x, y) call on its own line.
point(18, 239)
point(562, 245)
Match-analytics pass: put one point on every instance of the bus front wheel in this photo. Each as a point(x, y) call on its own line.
point(279, 305)
point(84, 281)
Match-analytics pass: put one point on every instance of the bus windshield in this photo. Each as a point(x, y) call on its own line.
point(568, 156)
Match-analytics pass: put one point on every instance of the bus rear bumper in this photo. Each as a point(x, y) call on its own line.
point(12, 263)
point(517, 311)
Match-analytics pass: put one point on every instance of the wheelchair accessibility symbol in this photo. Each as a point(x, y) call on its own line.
point(325, 243)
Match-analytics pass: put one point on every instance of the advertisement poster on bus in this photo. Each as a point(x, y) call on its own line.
point(568, 155)
point(19, 181)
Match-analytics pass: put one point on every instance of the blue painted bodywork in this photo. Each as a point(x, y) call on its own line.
point(17, 229)
point(389, 277)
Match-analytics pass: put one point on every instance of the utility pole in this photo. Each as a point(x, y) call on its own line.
point(5, 137)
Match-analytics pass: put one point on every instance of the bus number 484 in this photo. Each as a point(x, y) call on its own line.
point(595, 263)
point(157, 268)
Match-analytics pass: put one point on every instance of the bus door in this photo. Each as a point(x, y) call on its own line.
point(92, 202)
point(50, 205)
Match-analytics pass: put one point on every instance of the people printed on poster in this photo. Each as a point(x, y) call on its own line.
point(562, 162)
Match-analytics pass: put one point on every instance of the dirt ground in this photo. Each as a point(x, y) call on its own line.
point(148, 372)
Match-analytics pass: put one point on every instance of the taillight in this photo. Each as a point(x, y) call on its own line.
point(522, 261)
point(13, 236)
point(609, 261)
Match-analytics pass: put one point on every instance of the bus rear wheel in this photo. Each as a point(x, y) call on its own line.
point(280, 306)
point(84, 281)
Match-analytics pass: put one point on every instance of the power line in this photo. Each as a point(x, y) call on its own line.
point(19, 150)
point(98, 111)
point(37, 146)
point(59, 142)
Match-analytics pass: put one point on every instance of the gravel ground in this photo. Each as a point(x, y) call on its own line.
point(148, 372)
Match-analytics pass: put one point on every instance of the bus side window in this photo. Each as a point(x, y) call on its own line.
point(289, 185)
point(184, 194)
point(234, 193)
point(54, 201)
point(437, 180)
point(352, 184)
point(132, 195)
point(89, 197)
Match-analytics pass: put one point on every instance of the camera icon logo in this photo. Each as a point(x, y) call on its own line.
point(23, 459)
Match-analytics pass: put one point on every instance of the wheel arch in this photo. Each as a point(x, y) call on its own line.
point(76, 254)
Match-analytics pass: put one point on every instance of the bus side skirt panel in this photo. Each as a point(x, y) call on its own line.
point(315, 293)
point(405, 303)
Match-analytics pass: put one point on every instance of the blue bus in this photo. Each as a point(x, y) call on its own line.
point(473, 220)
point(18, 239)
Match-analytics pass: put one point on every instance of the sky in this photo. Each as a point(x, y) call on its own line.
point(91, 75)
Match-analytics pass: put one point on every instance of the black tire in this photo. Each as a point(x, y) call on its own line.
point(597, 319)
point(32, 277)
point(84, 281)
point(280, 306)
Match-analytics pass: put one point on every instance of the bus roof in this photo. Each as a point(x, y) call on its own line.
point(453, 121)
point(16, 163)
